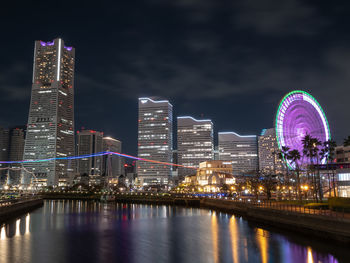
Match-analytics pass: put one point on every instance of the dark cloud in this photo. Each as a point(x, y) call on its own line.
point(231, 61)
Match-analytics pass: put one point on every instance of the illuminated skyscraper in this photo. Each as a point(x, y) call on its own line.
point(242, 151)
point(16, 148)
point(4, 148)
point(155, 140)
point(194, 143)
point(90, 142)
point(269, 161)
point(50, 131)
point(112, 163)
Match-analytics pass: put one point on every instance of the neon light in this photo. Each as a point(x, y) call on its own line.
point(189, 117)
point(59, 60)
point(298, 114)
point(96, 155)
point(144, 100)
point(242, 136)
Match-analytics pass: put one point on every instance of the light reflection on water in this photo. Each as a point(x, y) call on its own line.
point(83, 231)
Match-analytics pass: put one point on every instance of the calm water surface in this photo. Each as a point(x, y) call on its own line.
point(81, 231)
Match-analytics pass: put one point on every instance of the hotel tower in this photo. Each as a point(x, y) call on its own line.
point(50, 130)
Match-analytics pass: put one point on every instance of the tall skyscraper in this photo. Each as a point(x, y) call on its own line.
point(16, 148)
point(269, 161)
point(155, 140)
point(4, 148)
point(50, 130)
point(90, 142)
point(242, 151)
point(112, 163)
point(195, 143)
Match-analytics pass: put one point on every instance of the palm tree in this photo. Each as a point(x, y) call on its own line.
point(310, 145)
point(294, 156)
point(327, 153)
point(283, 155)
point(347, 141)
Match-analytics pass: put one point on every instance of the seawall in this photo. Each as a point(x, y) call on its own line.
point(18, 208)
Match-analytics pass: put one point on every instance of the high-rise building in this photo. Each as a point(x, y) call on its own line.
point(90, 142)
point(155, 140)
point(242, 151)
point(4, 148)
point(269, 161)
point(50, 130)
point(194, 143)
point(16, 148)
point(113, 165)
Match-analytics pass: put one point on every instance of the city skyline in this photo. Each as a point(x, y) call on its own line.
point(234, 75)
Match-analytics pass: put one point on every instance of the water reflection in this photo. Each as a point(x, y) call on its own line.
point(82, 231)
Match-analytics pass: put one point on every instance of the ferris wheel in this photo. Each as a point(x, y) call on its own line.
point(300, 114)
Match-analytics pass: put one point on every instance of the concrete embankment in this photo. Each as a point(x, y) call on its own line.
point(19, 207)
point(324, 227)
point(320, 226)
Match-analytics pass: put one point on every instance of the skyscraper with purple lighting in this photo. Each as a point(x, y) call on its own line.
point(50, 131)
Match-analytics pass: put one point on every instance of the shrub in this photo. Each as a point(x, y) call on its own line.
point(339, 204)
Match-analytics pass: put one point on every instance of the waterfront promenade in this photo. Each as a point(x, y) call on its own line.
point(15, 207)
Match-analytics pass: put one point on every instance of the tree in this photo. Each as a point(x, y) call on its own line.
point(268, 182)
point(311, 150)
point(327, 153)
point(284, 156)
point(294, 156)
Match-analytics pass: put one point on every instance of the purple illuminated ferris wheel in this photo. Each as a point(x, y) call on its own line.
point(300, 114)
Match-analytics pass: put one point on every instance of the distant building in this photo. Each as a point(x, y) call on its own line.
point(195, 143)
point(4, 149)
point(342, 154)
point(112, 163)
point(16, 148)
point(242, 151)
point(50, 130)
point(90, 142)
point(269, 161)
point(155, 140)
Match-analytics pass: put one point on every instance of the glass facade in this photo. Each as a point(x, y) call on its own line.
point(155, 141)
point(194, 143)
point(50, 130)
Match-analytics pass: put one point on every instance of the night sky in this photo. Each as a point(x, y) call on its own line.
point(231, 61)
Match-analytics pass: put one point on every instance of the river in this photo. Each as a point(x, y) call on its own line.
point(86, 231)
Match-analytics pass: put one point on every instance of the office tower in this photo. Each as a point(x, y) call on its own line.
point(242, 151)
point(50, 130)
point(194, 143)
point(269, 161)
point(4, 145)
point(155, 141)
point(16, 147)
point(90, 142)
point(113, 165)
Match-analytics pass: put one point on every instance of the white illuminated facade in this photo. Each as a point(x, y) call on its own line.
point(155, 141)
point(194, 143)
point(343, 182)
point(50, 131)
point(242, 151)
point(113, 165)
point(269, 161)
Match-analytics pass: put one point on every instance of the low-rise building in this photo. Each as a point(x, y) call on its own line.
point(211, 176)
